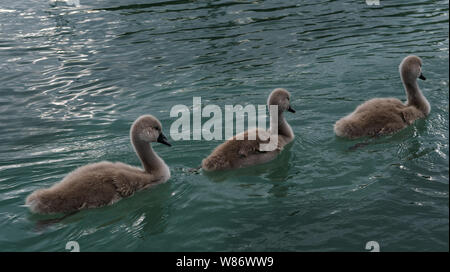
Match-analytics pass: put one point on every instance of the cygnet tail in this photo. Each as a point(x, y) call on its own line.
point(41, 201)
point(215, 162)
point(345, 128)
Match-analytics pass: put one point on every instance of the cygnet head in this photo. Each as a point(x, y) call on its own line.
point(281, 98)
point(411, 69)
point(148, 129)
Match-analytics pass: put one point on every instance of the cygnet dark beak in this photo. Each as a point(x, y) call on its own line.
point(162, 139)
point(422, 77)
point(291, 109)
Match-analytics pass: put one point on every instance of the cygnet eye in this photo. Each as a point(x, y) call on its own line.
point(146, 133)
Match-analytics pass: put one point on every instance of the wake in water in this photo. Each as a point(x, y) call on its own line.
point(365, 143)
point(45, 223)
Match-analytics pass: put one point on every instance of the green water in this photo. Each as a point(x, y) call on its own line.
point(73, 79)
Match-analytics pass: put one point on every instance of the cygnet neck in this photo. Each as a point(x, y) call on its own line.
point(415, 96)
point(284, 128)
point(149, 159)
